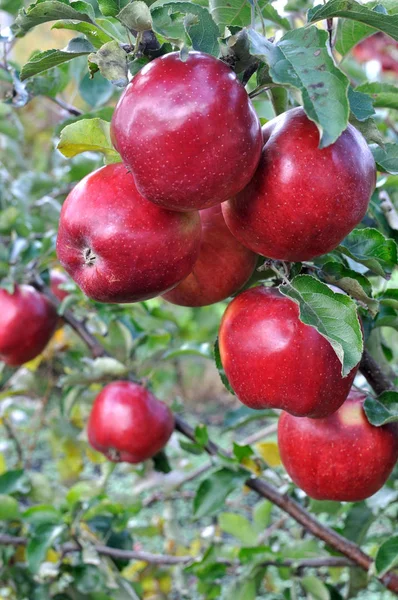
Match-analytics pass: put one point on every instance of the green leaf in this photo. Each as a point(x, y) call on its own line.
point(386, 158)
point(213, 491)
point(50, 83)
point(95, 90)
point(202, 30)
point(111, 60)
point(384, 95)
point(356, 285)
point(387, 556)
point(360, 104)
point(14, 481)
point(237, 13)
point(201, 434)
point(368, 129)
point(315, 587)
point(43, 12)
point(88, 135)
point(389, 298)
point(96, 36)
point(369, 247)
point(11, 6)
point(262, 515)
point(349, 33)
point(190, 349)
point(382, 410)
point(9, 509)
point(357, 523)
point(301, 59)
point(109, 8)
point(42, 61)
point(40, 541)
point(10, 126)
point(333, 315)
point(220, 368)
point(350, 9)
point(42, 513)
point(239, 527)
point(136, 16)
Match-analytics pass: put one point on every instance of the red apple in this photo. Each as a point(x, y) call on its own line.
point(128, 424)
point(119, 247)
point(188, 131)
point(273, 360)
point(27, 322)
point(302, 201)
point(380, 47)
point(342, 457)
point(57, 278)
point(222, 268)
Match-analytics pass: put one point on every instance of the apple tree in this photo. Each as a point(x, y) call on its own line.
point(198, 300)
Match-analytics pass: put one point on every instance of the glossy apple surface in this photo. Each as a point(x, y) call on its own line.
point(119, 247)
point(222, 268)
point(27, 322)
point(188, 132)
point(273, 360)
point(302, 201)
point(342, 457)
point(129, 424)
point(57, 278)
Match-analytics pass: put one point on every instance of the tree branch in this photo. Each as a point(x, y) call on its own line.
point(350, 550)
point(165, 559)
point(374, 375)
point(72, 110)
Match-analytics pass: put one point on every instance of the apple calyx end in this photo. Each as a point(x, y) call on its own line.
point(89, 257)
point(113, 455)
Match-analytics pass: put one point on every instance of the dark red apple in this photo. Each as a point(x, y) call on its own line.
point(342, 457)
point(188, 131)
point(119, 247)
point(129, 424)
point(302, 201)
point(57, 278)
point(273, 360)
point(222, 268)
point(27, 322)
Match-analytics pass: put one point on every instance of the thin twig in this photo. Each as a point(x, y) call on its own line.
point(72, 110)
point(164, 559)
point(14, 438)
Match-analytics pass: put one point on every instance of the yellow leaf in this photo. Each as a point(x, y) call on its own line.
point(95, 457)
point(33, 365)
point(71, 465)
point(252, 465)
point(130, 572)
point(3, 464)
point(269, 451)
point(19, 555)
point(76, 417)
point(165, 583)
point(52, 556)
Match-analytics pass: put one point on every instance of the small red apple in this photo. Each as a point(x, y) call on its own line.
point(188, 131)
point(119, 247)
point(222, 268)
point(58, 278)
point(129, 424)
point(302, 201)
point(27, 322)
point(342, 457)
point(273, 360)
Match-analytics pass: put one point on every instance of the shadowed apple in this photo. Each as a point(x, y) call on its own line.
point(342, 457)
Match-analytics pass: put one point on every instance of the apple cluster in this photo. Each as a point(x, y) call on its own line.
point(201, 192)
